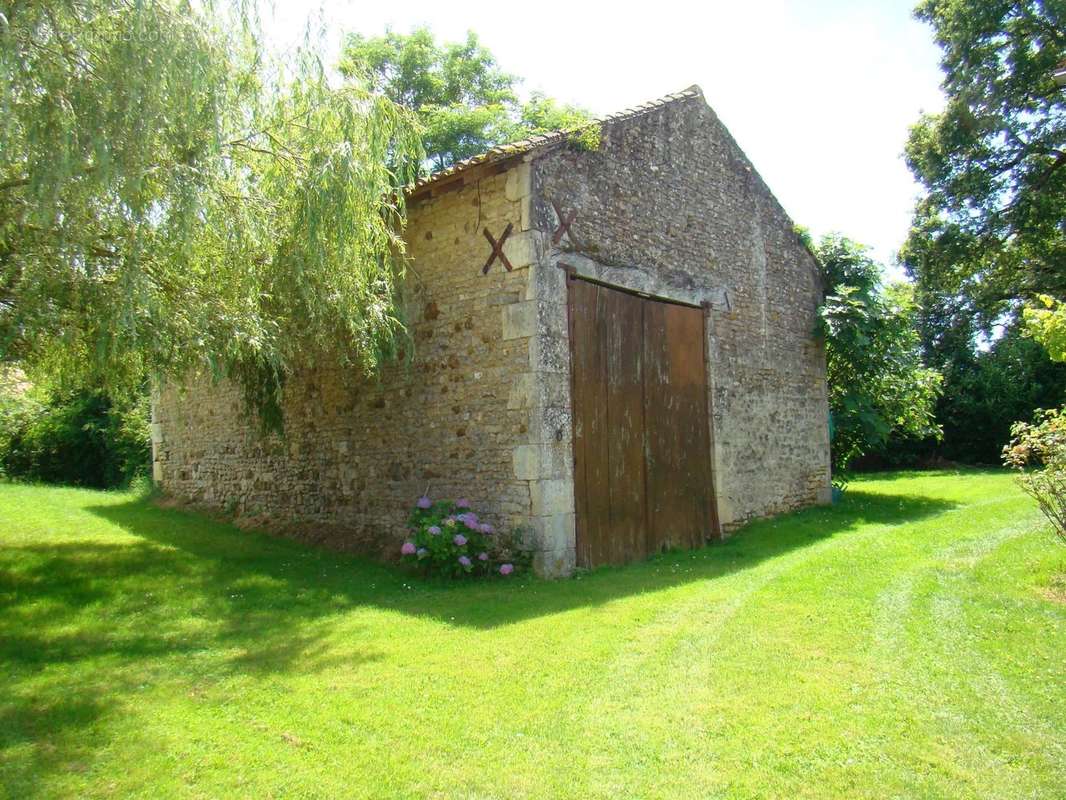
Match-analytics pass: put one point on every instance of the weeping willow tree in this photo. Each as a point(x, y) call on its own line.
point(170, 200)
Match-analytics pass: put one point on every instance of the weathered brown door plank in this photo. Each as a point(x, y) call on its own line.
point(625, 426)
point(591, 435)
point(678, 450)
point(642, 464)
point(599, 472)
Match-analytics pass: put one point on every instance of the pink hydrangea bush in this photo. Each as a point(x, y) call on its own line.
point(447, 538)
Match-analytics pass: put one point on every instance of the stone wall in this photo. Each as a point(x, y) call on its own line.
point(356, 453)
point(670, 206)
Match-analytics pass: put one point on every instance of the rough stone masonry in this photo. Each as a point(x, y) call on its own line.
point(669, 206)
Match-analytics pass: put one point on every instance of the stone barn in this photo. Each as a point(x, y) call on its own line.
point(615, 350)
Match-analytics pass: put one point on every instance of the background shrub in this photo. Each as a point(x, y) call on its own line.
point(985, 393)
point(84, 438)
point(1038, 450)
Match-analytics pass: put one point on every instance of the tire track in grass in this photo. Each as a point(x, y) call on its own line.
point(686, 632)
point(955, 635)
point(682, 641)
point(925, 603)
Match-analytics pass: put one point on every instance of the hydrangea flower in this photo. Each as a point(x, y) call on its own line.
point(464, 561)
point(469, 519)
point(422, 552)
point(433, 530)
point(506, 569)
point(408, 548)
point(459, 539)
point(450, 522)
point(462, 502)
point(482, 556)
point(424, 502)
point(486, 528)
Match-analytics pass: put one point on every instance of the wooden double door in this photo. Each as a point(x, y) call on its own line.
point(642, 455)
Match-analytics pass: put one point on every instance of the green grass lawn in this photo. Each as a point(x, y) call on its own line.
point(906, 643)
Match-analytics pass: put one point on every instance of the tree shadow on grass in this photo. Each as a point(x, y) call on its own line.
point(747, 548)
point(248, 577)
point(75, 601)
point(86, 625)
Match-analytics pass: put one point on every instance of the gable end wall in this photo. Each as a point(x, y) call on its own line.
point(670, 206)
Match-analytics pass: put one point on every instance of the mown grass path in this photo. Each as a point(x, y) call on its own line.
point(906, 643)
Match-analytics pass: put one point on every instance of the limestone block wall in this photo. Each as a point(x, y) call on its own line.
point(670, 206)
point(463, 419)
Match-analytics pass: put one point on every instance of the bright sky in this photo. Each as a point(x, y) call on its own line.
point(818, 93)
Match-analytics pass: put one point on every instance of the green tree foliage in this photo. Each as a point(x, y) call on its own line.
point(1038, 452)
point(986, 388)
point(465, 102)
point(985, 392)
point(878, 384)
point(1046, 323)
point(171, 200)
point(84, 438)
point(543, 114)
point(987, 235)
point(989, 230)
